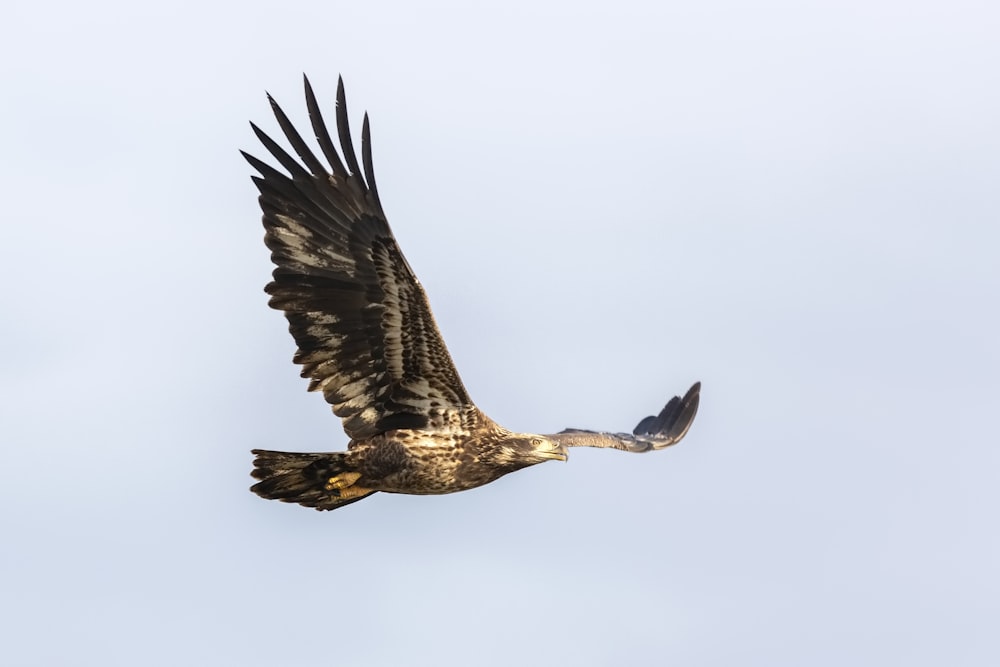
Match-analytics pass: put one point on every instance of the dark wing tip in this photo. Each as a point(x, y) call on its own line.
point(366, 160)
point(675, 419)
point(689, 409)
point(344, 130)
point(320, 131)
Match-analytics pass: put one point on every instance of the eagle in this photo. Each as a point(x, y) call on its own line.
point(367, 340)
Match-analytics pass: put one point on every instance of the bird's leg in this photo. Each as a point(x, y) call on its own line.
point(342, 485)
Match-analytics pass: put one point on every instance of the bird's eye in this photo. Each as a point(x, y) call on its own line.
point(535, 442)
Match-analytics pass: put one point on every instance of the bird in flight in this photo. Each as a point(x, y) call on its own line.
point(367, 340)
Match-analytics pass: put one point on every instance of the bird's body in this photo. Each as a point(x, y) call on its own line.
point(424, 462)
point(367, 339)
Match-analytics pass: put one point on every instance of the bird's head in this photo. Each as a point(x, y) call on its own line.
point(525, 449)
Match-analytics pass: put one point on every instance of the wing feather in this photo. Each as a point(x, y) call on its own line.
point(365, 333)
point(322, 134)
point(652, 433)
point(366, 158)
point(295, 139)
point(344, 131)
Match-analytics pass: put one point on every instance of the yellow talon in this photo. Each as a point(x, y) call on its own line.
point(342, 481)
point(353, 492)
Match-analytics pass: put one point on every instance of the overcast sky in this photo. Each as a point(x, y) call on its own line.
point(794, 202)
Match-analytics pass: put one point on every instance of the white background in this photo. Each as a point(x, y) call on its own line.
point(794, 202)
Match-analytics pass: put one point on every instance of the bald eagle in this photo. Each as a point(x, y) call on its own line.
point(367, 340)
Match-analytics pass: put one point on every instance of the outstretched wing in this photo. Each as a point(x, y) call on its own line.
point(365, 333)
point(657, 432)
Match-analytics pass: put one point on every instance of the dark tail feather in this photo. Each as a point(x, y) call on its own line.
point(299, 478)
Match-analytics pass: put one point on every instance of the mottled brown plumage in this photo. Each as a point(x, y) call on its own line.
point(367, 340)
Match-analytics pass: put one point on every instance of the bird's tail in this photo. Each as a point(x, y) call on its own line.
point(322, 481)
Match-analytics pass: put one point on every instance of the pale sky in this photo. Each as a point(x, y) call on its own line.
point(795, 203)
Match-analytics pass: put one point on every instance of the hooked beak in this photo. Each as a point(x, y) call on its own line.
point(553, 450)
